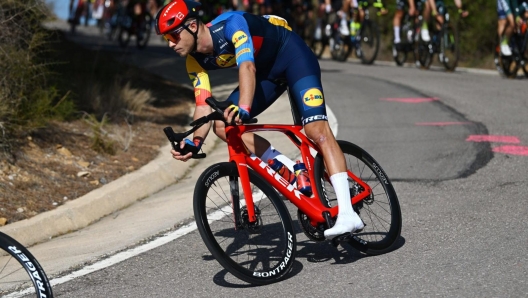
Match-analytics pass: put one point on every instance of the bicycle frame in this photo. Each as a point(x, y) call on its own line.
point(239, 154)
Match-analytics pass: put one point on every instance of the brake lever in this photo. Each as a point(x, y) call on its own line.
point(176, 138)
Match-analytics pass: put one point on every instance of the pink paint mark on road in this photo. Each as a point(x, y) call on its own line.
point(441, 123)
point(410, 100)
point(512, 150)
point(493, 139)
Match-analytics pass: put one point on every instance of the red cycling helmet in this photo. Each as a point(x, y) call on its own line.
point(174, 14)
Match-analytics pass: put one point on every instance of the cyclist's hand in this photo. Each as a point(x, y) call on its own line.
point(464, 13)
point(518, 21)
point(384, 11)
point(177, 155)
point(236, 114)
point(412, 11)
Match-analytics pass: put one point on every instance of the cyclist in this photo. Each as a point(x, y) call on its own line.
point(506, 23)
point(337, 11)
point(265, 49)
point(437, 9)
point(398, 15)
point(358, 15)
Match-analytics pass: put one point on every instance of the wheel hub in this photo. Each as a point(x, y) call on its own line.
point(251, 227)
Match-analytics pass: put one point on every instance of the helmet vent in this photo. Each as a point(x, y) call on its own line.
point(170, 22)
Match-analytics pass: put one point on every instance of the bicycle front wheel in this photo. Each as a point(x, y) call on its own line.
point(369, 42)
point(380, 211)
point(260, 252)
point(449, 47)
point(20, 273)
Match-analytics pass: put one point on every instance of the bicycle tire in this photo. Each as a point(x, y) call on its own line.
point(424, 54)
point(525, 56)
point(318, 43)
point(450, 46)
point(399, 56)
point(377, 211)
point(123, 37)
point(258, 254)
point(20, 272)
point(370, 39)
point(509, 66)
point(142, 43)
point(341, 48)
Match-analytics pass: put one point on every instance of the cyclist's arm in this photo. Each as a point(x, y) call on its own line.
point(461, 10)
point(432, 4)
point(412, 8)
point(202, 90)
point(237, 31)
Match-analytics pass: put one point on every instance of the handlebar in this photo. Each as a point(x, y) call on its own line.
point(218, 114)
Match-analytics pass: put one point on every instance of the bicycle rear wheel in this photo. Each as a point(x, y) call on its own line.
point(380, 211)
point(258, 253)
point(369, 42)
point(20, 273)
point(449, 47)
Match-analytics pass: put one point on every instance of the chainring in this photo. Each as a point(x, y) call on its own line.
point(313, 233)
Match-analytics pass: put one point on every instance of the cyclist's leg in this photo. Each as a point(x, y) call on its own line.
point(424, 32)
point(266, 93)
point(304, 80)
point(396, 21)
point(441, 10)
point(506, 25)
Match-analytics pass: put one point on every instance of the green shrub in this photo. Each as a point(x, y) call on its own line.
point(27, 100)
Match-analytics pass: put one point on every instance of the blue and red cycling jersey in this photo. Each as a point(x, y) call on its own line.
point(277, 52)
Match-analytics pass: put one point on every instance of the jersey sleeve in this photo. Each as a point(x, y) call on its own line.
point(200, 80)
point(237, 31)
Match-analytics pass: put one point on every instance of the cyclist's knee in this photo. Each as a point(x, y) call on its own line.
point(319, 132)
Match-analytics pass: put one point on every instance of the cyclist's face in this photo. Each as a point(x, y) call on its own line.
point(183, 42)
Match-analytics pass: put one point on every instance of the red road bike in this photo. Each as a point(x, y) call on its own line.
point(244, 222)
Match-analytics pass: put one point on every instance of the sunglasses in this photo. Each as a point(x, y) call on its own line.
point(174, 36)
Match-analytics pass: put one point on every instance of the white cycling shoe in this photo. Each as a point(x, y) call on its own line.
point(347, 224)
point(424, 33)
point(505, 50)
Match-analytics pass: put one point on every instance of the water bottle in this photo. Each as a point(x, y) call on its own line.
point(282, 170)
point(303, 179)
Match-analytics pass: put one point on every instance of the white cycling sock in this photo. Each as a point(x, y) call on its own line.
point(272, 153)
point(397, 34)
point(347, 219)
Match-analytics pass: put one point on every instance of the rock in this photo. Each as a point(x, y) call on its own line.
point(20, 210)
point(94, 182)
point(83, 163)
point(64, 151)
point(134, 159)
point(3, 221)
point(103, 180)
point(130, 168)
point(83, 174)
